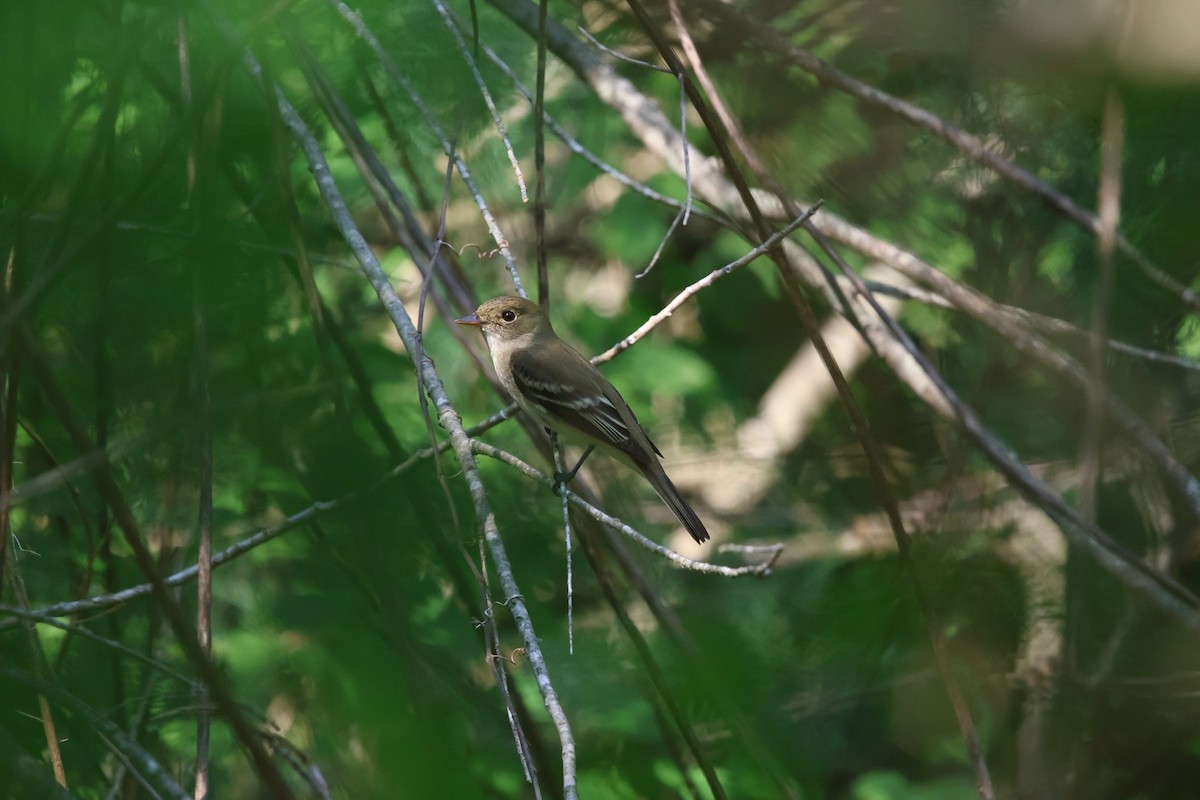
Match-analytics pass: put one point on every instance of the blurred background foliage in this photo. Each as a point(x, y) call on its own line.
point(163, 241)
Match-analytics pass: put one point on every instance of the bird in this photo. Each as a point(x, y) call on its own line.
point(564, 392)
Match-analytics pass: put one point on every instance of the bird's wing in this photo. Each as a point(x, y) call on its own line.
point(592, 406)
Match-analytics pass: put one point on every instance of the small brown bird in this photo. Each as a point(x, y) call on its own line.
point(563, 391)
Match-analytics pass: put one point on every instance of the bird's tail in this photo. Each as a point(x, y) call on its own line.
point(657, 477)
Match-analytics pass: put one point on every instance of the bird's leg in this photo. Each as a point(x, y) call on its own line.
point(561, 479)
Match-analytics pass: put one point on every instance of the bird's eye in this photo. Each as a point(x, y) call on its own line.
point(508, 316)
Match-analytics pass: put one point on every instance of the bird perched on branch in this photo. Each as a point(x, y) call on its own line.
point(563, 391)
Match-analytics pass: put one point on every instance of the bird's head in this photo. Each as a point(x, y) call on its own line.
point(504, 319)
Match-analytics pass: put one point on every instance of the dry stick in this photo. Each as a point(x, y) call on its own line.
point(730, 123)
point(514, 710)
point(708, 280)
point(1109, 203)
point(448, 418)
point(108, 488)
point(617, 54)
point(203, 413)
point(539, 203)
point(473, 65)
point(971, 145)
point(858, 419)
point(354, 19)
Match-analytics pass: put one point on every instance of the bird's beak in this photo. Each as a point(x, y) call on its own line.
point(470, 319)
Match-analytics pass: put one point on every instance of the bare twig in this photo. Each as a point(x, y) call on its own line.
point(1111, 145)
point(708, 280)
point(670, 555)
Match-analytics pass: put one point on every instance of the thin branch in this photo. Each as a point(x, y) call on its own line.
point(617, 54)
point(1111, 145)
point(183, 576)
point(560, 468)
point(708, 280)
point(670, 555)
point(987, 311)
